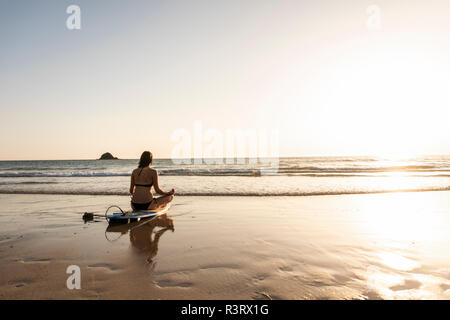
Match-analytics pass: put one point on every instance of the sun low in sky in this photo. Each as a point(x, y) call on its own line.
point(136, 72)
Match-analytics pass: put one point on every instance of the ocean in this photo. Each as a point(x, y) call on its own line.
point(296, 176)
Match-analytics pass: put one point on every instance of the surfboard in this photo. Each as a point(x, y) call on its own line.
point(135, 215)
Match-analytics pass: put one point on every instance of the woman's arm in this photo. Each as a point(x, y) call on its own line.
point(132, 184)
point(156, 185)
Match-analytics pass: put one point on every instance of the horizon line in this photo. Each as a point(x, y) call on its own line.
point(279, 157)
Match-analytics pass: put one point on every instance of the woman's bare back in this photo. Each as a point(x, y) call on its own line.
point(143, 180)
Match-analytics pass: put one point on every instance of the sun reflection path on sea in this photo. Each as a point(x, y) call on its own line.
point(412, 238)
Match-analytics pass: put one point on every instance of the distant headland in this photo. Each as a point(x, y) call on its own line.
point(107, 156)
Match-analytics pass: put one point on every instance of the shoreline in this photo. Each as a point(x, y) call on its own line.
point(237, 194)
point(371, 246)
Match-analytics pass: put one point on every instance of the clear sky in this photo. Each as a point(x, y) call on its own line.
point(139, 70)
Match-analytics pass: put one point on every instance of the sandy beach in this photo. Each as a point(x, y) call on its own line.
point(374, 246)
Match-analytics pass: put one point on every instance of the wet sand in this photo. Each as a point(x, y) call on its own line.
point(377, 246)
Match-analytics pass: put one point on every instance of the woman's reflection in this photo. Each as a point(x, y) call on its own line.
point(141, 235)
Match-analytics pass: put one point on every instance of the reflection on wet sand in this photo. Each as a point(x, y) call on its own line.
point(143, 235)
point(384, 246)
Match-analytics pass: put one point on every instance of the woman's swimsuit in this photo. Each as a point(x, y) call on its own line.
point(142, 206)
point(144, 185)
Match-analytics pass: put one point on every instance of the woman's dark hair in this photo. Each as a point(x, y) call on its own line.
point(146, 159)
